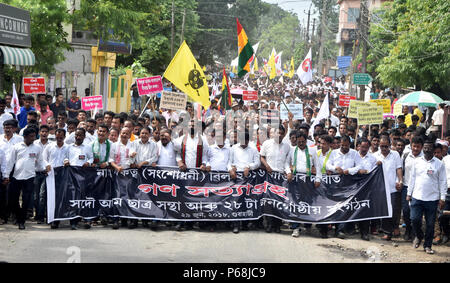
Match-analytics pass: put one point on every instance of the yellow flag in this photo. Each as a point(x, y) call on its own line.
point(255, 65)
point(292, 70)
point(273, 68)
point(187, 75)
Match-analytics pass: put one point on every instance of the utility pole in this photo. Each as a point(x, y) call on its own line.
point(322, 32)
point(173, 28)
point(364, 30)
point(313, 30)
point(307, 25)
point(182, 27)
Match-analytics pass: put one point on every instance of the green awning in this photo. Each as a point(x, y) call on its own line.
point(17, 56)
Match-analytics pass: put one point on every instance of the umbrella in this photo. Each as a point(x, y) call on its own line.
point(420, 98)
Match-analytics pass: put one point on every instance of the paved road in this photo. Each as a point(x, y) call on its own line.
point(38, 243)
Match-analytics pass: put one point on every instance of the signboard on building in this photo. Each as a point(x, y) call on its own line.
point(114, 47)
point(14, 26)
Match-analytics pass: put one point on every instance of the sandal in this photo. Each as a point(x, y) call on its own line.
point(429, 251)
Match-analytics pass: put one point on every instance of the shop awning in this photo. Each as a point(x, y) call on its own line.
point(17, 56)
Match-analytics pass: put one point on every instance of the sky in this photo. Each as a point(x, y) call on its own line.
point(300, 7)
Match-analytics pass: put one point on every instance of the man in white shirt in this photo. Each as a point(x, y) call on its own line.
point(368, 163)
point(62, 120)
point(120, 159)
point(334, 120)
point(438, 117)
point(4, 116)
point(444, 220)
point(79, 154)
point(54, 155)
point(144, 152)
point(243, 158)
point(8, 107)
point(408, 159)
point(302, 159)
point(274, 154)
point(393, 179)
point(192, 149)
point(218, 154)
point(3, 214)
point(323, 156)
point(374, 143)
point(40, 189)
point(7, 141)
point(26, 158)
point(427, 190)
point(344, 161)
point(9, 138)
point(166, 149)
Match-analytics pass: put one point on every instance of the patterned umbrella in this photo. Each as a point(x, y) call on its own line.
point(420, 98)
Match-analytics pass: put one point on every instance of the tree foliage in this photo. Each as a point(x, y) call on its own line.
point(411, 44)
point(48, 39)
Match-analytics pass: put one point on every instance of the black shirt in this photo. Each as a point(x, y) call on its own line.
point(56, 109)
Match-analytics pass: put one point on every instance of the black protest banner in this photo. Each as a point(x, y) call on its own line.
point(169, 194)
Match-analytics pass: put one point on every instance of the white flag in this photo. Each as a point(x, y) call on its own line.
point(304, 71)
point(15, 101)
point(278, 63)
point(324, 113)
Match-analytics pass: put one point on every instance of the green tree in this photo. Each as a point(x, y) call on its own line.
point(145, 24)
point(410, 45)
point(48, 39)
point(278, 29)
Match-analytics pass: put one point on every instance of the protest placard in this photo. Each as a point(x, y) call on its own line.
point(354, 105)
point(296, 109)
point(370, 115)
point(397, 109)
point(386, 103)
point(250, 95)
point(149, 85)
point(91, 102)
point(173, 100)
point(34, 85)
point(344, 100)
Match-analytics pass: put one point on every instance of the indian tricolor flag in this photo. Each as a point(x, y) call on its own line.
point(226, 99)
point(245, 51)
